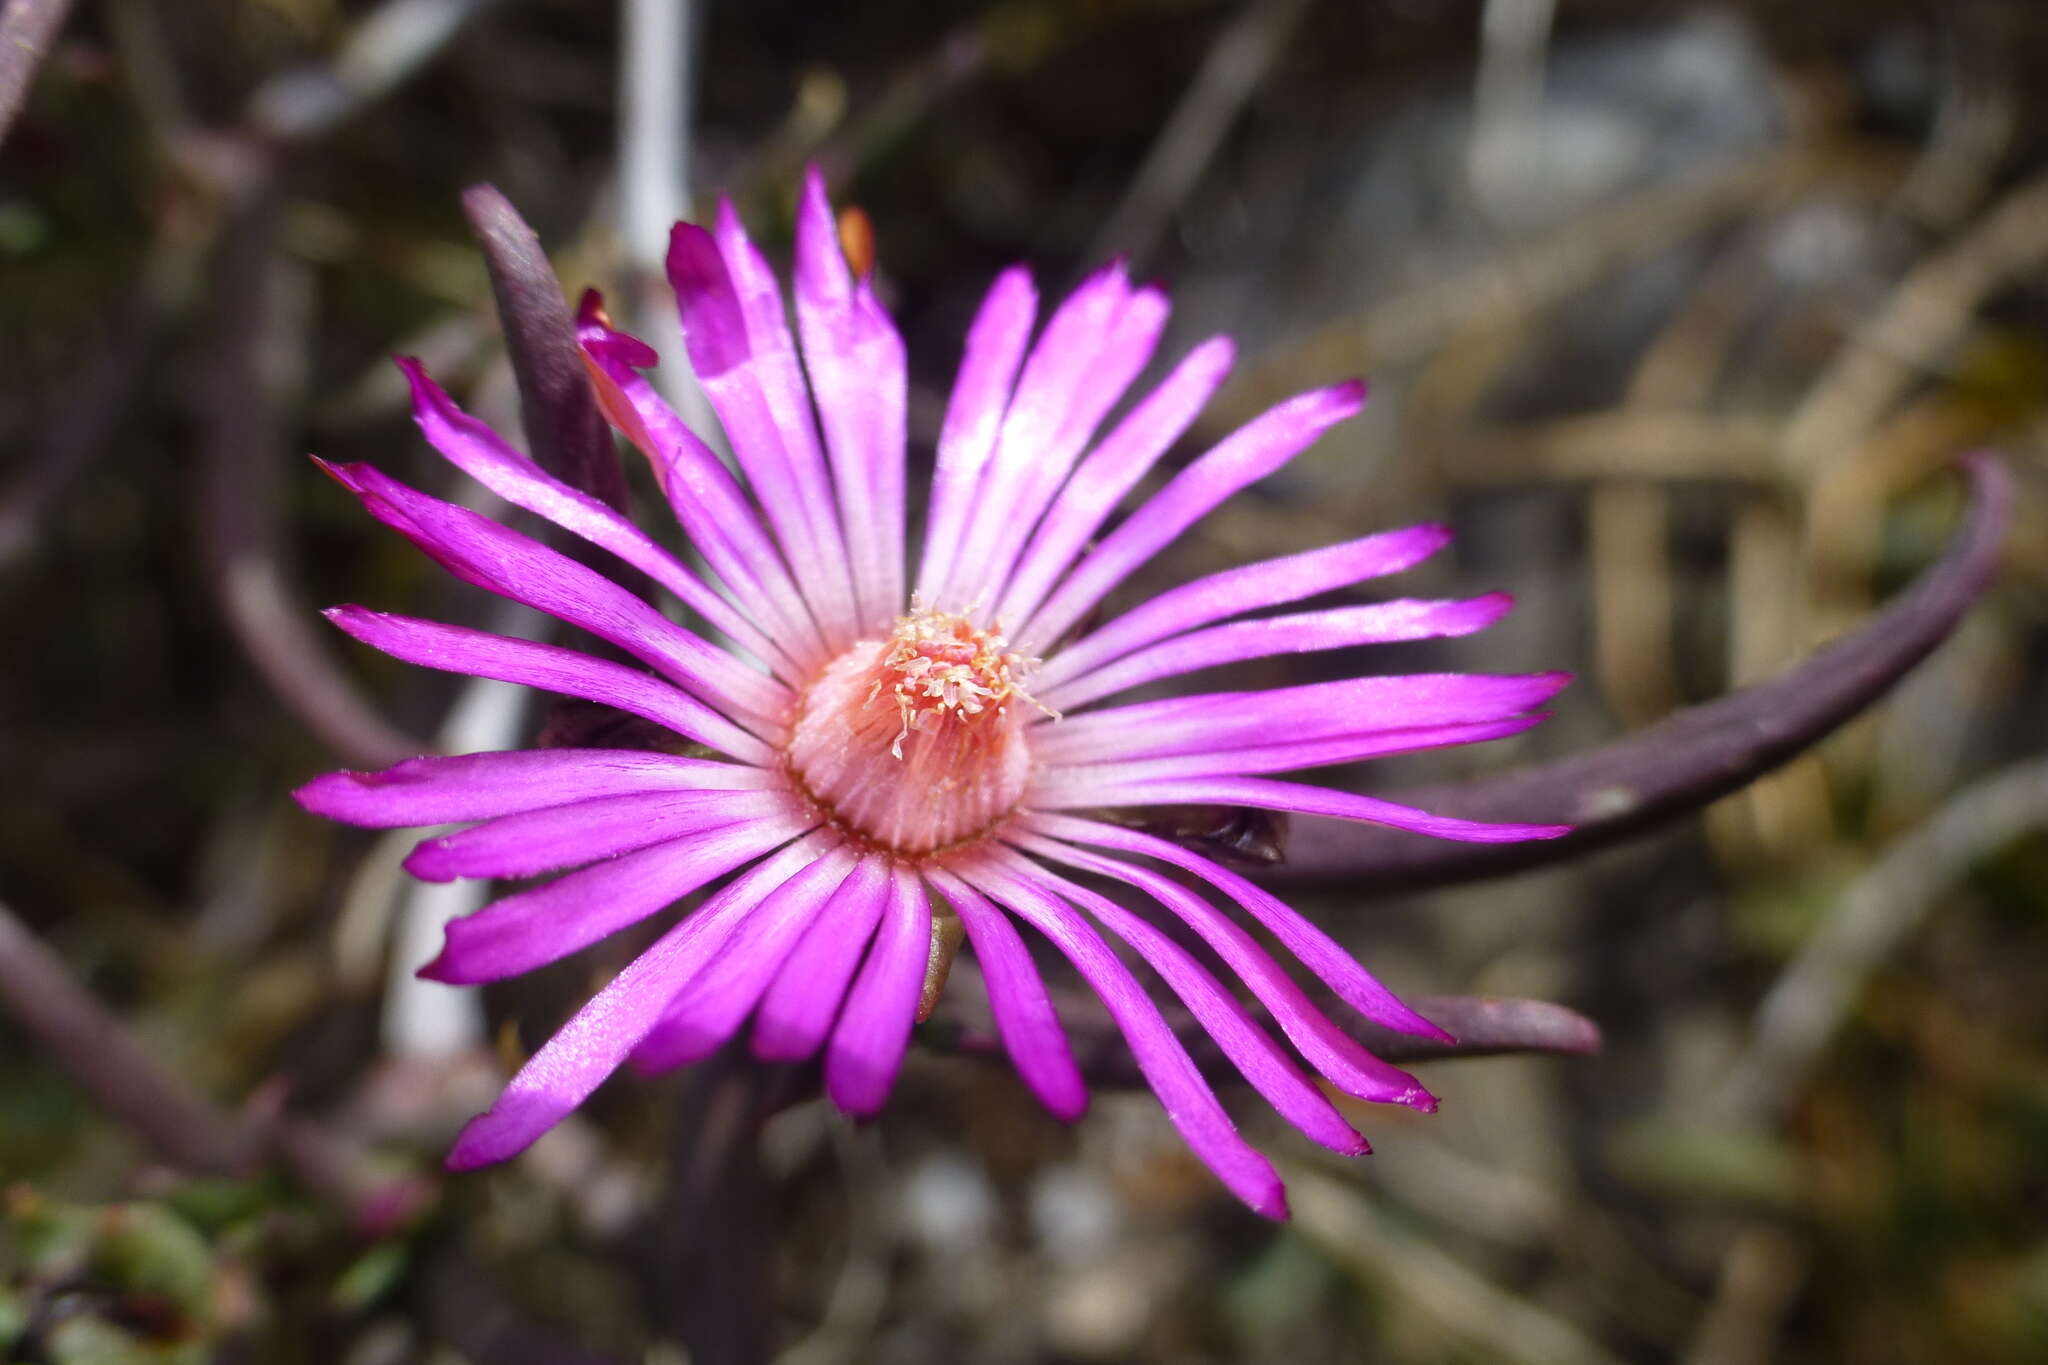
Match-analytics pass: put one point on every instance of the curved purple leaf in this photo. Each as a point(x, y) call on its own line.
point(565, 432)
point(1680, 764)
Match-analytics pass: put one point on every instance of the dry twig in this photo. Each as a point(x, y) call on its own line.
point(1817, 989)
point(27, 29)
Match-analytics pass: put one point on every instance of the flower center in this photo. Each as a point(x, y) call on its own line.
point(916, 743)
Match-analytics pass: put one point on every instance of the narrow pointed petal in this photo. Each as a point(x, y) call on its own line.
point(1126, 350)
point(1261, 1061)
point(481, 654)
point(709, 1008)
point(591, 1045)
point(974, 416)
point(757, 386)
point(1053, 374)
point(533, 842)
point(498, 559)
point(534, 927)
point(1168, 1069)
point(1095, 345)
point(1269, 583)
point(1310, 946)
point(1294, 796)
point(717, 515)
point(1275, 758)
point(1211, 721)
point(799, 1006)
point(857, 369)
point(1024, 1016)
point(743, 357)
point(867, 1047)
point(481, 453)
point(1109, 472)
point(1299, 633)
point(442, 791)
point(1247, 455)
point(1331, 1051)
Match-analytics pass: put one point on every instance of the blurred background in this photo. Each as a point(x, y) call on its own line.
point(1679, 313)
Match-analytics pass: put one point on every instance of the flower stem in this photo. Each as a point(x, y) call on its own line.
point(97, 1051)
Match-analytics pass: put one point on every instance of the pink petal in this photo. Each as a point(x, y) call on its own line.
point(481, 453)
point(874, 1030)
point(781, 377)
point(1247, 455)
point(1111, 470)
point(533, 842)
point(499, 559)
point(1313, 948)
point(1273, 758)
point(1328, 1048)
point(440, 791)
point(533, 927)
point(591, 1045)
point(1292, 796)
point(1030, 1030)
point(707, 1009)
point(1188, 1100)
point(974, 416)
point(1257, 1057)
point(1213, 721)
point(1091, 349)
point(1053, 372)
point(713, 510)
point(1299, 633)
point(1219, 596)
point(740, 348)
point(856, 366)
point(1126, 350)
point(480, 654)
point(798, 1008)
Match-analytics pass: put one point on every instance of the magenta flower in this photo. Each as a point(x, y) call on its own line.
point(890, 731)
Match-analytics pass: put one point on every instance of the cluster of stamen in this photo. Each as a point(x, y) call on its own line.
point(943, 663)
point(915, 743)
